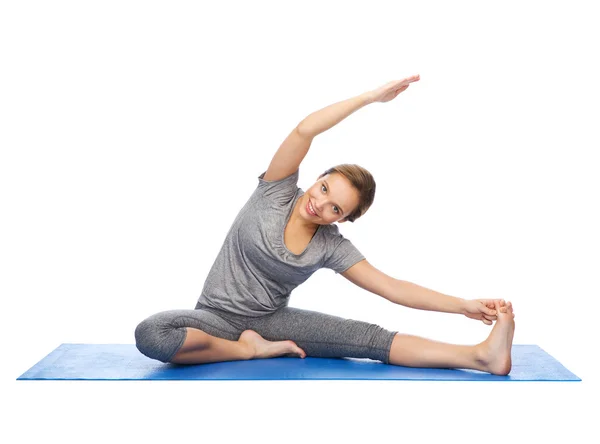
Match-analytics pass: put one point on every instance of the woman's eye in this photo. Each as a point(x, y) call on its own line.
point(337, 210)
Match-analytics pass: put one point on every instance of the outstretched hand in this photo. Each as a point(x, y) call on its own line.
point(483, 309)
point(390, 90)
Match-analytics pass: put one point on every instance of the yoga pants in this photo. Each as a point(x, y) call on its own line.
point(320, 335)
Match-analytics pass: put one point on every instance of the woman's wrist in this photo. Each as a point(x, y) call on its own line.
point(369, 97)
point(462, 306)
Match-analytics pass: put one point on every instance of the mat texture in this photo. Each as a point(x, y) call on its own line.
point(125, 362)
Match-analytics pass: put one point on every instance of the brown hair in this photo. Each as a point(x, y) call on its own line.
point(362, 181)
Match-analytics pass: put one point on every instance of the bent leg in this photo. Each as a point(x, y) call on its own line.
point(201, 336)
point(325, 336)
point(164, 335)
point(201, 348)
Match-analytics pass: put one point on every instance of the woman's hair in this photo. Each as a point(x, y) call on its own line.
point(360, 179)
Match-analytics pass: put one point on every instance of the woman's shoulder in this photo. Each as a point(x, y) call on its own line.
point(332, 231)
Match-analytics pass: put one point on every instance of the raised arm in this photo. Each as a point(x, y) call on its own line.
point(326, 118)
point(294, 148)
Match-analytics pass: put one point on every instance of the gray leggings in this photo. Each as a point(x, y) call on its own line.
point(320, 335)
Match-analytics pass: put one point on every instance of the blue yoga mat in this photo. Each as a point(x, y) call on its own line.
point(125, 362)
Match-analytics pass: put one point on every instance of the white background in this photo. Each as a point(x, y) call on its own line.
point(132, 133)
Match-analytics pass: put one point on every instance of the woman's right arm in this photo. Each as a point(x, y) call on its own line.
point(294, 148)
point(325, 118)
point(331, 115)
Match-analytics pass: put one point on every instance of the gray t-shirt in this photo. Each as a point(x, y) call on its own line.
point(255, 273)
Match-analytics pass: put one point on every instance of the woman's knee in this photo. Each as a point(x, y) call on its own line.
point(158, 337)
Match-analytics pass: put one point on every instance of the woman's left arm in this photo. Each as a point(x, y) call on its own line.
point(400, 292)
point(414, 296)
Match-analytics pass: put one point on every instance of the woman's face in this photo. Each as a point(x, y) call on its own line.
point(332, 197)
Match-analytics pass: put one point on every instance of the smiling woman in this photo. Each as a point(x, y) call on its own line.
point(361, 181)
point(342, 193)
point(277, 241)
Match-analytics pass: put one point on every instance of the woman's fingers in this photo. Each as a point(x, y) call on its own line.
point(500, 302)
point(408, 80)
point(401, 89)
point(391, 89)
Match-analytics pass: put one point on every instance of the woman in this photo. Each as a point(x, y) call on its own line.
point(278, 240)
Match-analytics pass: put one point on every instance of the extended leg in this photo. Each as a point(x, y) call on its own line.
point(415, 351)
point(492, 355)
point(323, 335)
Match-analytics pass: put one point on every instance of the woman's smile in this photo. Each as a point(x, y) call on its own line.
point(309, 208)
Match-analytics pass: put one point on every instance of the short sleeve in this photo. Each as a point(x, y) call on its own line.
point(280, 191)
point(343, 257)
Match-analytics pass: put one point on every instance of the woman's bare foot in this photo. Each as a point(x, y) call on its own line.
point(494, 352)
point(261, 348)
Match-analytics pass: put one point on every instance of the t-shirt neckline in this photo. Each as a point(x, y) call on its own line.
point(285, 226)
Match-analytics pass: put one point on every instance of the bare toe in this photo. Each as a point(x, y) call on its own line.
point(261, 348)
point(497, 347)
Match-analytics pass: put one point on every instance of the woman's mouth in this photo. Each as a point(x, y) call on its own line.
point(310, 210)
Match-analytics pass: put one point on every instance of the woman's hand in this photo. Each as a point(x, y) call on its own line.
point(390, 90)
point(483, 309)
